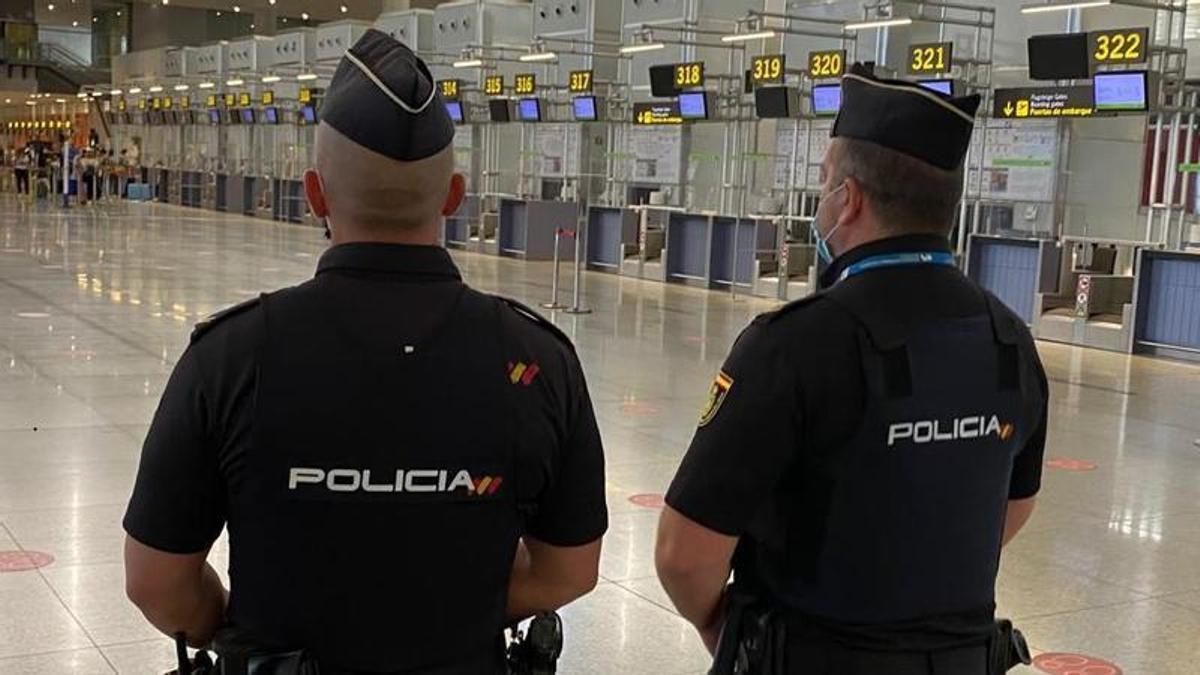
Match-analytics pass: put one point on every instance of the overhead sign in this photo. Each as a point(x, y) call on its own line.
point(305, 95)
point(167, 102)
point(525, 83)
point(122, 106)
point(268, 97)
point(1122, 46)
point(827, 65)
point(1044, 102)
point(493, 85)
point(185, 102)
point(689, 75)
point(656, 114)
point(244, 99)
point(450, 88)
point(930, 58)
point(768, 69)
point(581, 81)
point(230, 99)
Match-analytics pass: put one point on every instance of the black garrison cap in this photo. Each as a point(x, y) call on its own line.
point(384, 98)
point(906, 117)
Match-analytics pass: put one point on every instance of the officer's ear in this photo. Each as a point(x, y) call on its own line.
point(458, 192)
point(855, 204)
point(314, 190)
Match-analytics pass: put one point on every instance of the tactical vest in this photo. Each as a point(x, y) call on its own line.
point(379, 499)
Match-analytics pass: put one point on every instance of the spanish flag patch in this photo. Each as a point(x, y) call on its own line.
point(716, 396)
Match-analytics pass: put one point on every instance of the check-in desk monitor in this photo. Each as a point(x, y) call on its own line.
point(826, 99)
point(529, 110)
point(693, 105)
point(1121, 91)
point(585, 109)
point(455, 110)
point(776, 102)
point(940, 86)
point(499, 110)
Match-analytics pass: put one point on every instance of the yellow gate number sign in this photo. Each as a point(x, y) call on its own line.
point(926, 59)
point(1127, 45)
point(525, 83)
point(764, 69)
point(493, 85)
point(450, 89)
point(580, 82)
point(827, 64)
point(689, 75)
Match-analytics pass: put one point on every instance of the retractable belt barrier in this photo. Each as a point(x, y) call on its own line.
point(577, 291)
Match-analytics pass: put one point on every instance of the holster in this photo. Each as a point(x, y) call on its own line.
point(1007, 649)
point(237, 656)
point(753, 639)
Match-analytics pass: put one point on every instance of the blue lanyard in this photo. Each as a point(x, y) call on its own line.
point(876, 262)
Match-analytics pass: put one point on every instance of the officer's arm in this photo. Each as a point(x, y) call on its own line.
point(693, 564)
point(1019, 513)
point(177, 593)
point(1027, 467)
point(546, 577)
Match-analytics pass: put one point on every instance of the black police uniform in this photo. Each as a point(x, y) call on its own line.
point(376, 440)
point(863, 443)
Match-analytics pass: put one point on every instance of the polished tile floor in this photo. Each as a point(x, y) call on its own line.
point(96, 304)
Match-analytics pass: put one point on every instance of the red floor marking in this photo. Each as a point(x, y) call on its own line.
point(22, 561)
point(650, 501)
point(640, 409)
point(1074, 664)
point(1067, 464)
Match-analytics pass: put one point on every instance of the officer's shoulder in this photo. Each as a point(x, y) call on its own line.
point(226, 318)
point(530, 321)
point(814, 308)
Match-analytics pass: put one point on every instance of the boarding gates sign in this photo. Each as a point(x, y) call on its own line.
point(1044, 102)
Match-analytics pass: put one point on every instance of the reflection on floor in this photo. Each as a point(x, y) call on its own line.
point(96, 303)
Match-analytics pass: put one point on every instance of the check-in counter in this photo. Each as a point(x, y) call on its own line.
point(1167, 313)
point(1089, 304)
point(458, 228)
point(526, 228)
point(160, 184)
point(643, 258)
point(1015, 270)
point(610, 232)
point(708, 251)
point(288, 203)
point(191, 185)
point(793, 263)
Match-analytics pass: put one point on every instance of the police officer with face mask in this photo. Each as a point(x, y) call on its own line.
point(866, 452)
point(404, 465)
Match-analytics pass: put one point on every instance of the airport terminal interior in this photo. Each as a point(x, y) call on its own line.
point(645, 173)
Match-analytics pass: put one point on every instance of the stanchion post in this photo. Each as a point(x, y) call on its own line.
point(554, 303)
point(577, 293)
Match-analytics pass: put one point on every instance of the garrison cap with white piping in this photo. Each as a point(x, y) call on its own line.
point(906, 117)
point(384, 98)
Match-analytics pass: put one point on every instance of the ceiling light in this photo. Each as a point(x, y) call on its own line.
point(166, 2)
point(75, 24)
point(470, 63)
point(155, 89)
point(50, 7)
point(97, 94)
point(344, 9)
point(304, 15)
point(1064, 6)
point(181, 87)
point(879, 23)
point(135, 90)
point(636, 49)
point(271, 2)
point(234, 82)
point(118, 12)
point(237, 9)
point(60, 100)
point(305, 77)
point(271, 78)
point(30, 102)
point(206, 85)
point(251, 26)
point(218, 13)
point(747, 37)
point(115, 92)
point(95, 19)
point(541, 56)
point(7, 100)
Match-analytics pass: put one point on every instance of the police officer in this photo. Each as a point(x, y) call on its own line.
point(404, 464)
point(866, 451)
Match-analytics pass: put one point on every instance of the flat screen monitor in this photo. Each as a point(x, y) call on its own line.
point(455, 110)
point(530, 109)
point(776, 102)
point(585, 109)
point(1059, 57)
point(499, 110)
point(826, 99)
point(693, 105)
point(271, 115)
point(940, 86)
point(247, 115)
point(1121, 91)
point(214, 116)
point(662, 81)
point(309, 114)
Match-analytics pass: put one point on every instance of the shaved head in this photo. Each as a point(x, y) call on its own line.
point(374, 194)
